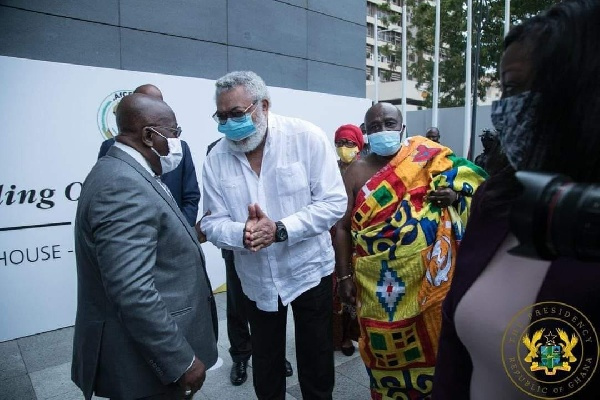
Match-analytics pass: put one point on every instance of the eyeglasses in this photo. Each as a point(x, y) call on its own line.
point(175, 132)
point(345, 143)
point(236, 116)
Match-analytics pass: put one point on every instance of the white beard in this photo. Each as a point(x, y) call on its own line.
point(252, 142)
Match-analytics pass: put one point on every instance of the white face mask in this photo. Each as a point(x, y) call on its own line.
point(169, 162)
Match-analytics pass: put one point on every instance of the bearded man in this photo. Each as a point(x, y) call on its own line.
point(273, 190)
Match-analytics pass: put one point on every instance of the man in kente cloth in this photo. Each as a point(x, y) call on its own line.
point(408, 203)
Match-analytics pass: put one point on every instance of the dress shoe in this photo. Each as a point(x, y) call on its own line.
point(238, 373)
point(288, 369)
point(348, 351)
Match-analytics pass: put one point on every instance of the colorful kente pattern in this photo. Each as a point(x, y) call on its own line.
point(390, 289)
point(405, 250)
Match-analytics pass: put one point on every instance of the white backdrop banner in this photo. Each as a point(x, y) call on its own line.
point(55, 116)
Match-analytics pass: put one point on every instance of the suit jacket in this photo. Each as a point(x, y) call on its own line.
point(568, 281)
point(182, 181)
point(144, 304)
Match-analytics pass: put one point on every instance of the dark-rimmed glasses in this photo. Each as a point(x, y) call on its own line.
point(345, 143)
point(175, 132)
point(236, 116)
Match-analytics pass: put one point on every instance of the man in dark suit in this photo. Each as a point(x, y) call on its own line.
point(146, 321)
point(182, 181)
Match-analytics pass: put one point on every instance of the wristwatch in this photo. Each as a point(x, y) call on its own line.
point(280, 232)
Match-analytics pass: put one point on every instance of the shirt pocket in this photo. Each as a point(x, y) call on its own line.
point(293, 188)
point(235, 196)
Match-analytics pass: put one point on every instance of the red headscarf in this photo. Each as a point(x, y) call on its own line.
point(352, 133)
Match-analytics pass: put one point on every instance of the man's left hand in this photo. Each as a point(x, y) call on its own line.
point(193, 379)
point(201, 235)
point(262, 233)
point(443, 197)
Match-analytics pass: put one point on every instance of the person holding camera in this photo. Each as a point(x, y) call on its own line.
point(522, 327)
point(491, 145)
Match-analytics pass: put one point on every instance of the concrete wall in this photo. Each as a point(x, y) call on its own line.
point(315, 45)
point(451, 123)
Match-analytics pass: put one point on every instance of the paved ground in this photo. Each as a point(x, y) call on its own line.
point(38, 367)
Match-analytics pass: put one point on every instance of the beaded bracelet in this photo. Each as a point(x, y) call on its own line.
point(343, 278)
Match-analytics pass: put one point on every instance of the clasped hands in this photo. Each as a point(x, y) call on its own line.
point(259, 231)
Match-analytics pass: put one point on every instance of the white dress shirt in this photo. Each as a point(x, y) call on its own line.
point(299, 185)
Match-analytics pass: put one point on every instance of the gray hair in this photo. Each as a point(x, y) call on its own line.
point(253, 84)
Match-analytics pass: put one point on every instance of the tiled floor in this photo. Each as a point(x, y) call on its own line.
point(38, 367)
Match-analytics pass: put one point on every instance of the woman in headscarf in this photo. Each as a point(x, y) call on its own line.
point(348, 144)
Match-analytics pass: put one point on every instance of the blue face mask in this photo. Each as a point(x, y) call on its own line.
point(239, 129)
point(385, 143)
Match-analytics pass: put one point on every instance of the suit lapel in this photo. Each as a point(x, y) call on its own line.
point(121, 155)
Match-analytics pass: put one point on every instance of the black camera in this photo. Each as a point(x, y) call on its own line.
point(487, 133)
point(555, 217)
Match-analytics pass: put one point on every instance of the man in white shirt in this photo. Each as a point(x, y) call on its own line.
point(273, 190)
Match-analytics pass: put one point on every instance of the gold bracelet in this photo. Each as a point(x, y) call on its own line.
point(343, 278)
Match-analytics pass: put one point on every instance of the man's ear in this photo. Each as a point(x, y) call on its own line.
point(265, 105)
point(147, 136)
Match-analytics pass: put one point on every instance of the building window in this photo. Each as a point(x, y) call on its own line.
point(384, 76)
point(398, 38)
point(391, 37)
point(371, 9)
point(387, 37)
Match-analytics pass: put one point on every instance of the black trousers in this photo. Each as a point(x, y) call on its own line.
point(314, 345)
point(238, 330)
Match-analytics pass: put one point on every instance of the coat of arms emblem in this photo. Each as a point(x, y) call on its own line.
point(550, 350)
point(549, 354)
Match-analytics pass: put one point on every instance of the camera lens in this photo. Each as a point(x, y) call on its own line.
point(575, 227)
point(556, 217)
